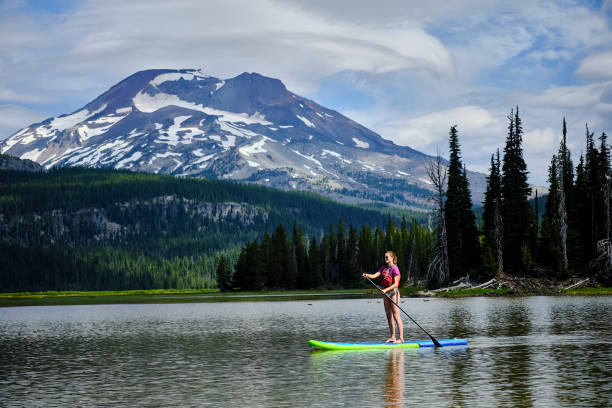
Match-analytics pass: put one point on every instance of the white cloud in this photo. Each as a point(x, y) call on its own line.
point(226, 38)
point(13, 118)
point(540, 141)
point(568, 96)
point(432, 129)
point(598, 66)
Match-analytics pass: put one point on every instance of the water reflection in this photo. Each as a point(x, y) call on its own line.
point(394, 380)
point(522, 352)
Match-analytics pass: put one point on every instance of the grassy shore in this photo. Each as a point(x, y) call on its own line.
point(51, 298)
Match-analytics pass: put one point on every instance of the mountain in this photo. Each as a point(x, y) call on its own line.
point(248, 128)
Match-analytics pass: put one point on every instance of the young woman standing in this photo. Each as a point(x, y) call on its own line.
point(390, 283)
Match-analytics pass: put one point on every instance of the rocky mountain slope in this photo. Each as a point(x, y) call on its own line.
point(248, 128)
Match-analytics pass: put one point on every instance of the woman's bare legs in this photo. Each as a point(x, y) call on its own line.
point(396, 316)
point(390, 320)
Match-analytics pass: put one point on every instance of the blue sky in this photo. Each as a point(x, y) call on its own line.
point(406, 69)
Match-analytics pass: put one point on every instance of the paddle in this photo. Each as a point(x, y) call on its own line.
point(435, 342)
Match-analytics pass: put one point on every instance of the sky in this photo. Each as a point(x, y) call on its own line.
point(408, 70)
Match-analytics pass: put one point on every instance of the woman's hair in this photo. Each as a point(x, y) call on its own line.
point(393, 256)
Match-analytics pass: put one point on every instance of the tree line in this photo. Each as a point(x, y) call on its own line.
point(336, 259)
point(572, 237)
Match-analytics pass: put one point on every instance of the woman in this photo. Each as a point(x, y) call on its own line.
point(390, 283)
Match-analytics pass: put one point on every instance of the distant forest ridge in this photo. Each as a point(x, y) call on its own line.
point(82, 228)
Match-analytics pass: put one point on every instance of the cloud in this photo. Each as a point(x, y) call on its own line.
point(480, 133)
point(569, 96)
point(226, 38)
point(540, 141)
point(13, 117)
point(598, 66)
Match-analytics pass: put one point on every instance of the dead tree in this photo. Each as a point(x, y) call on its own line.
point(438, 267)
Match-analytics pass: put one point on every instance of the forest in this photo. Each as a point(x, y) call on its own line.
point(93, 229)
point(571, 238)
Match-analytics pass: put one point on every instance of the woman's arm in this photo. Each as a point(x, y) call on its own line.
point(371, 276)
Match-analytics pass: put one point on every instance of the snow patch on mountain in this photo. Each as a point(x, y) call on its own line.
point(255, 148)
point(65, 122)
point(134, 157)
point(361, 143)
point(306, 121)
point(175, 76)
point(147, 103)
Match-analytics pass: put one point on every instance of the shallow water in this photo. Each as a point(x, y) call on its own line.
point(532, 351)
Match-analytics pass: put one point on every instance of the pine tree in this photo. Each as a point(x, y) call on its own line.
point(516, 211)
point(580, 219)
point(606, 174)
point(493, 241)
point(594, 221)
point(299, 258)
point(463, 251)
point(224, 281)
point(352, 269)
point(314, 265)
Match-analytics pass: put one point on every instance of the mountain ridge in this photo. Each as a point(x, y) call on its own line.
point(248, 128)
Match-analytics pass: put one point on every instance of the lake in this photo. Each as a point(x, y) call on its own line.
point(528, 351)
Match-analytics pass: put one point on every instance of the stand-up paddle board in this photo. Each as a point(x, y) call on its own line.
point(326, 345)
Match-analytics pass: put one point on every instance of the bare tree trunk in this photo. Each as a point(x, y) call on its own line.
point(604, 254)
point(439, 267)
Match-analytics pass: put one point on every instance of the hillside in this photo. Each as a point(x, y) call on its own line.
point(76, 228)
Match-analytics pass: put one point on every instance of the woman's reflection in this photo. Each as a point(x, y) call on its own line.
point(394, 380)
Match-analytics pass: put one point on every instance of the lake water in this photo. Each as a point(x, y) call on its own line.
point(531, 351)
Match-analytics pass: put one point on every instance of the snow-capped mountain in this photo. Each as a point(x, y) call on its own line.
point(249, 128)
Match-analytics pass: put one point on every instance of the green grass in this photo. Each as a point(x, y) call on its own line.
point(49, 294)
point(588, 291)
point(164, 296)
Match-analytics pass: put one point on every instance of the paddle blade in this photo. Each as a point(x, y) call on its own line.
point(435, 342)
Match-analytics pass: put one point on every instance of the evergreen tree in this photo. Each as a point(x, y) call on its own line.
point(580, 217)
point(516, 211)
point(463, 251)
point(550, 248)
point(491, 220)
point(606, 174)
point(249, 270)
point(314, 265)
point(299, 257)
point(224, 279)
point(367, 251)
point(351, 264)
point(593, 218)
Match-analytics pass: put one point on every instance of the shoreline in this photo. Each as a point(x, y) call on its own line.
point(62, 298)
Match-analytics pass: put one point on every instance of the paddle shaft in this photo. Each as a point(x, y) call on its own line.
point(435, 342)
